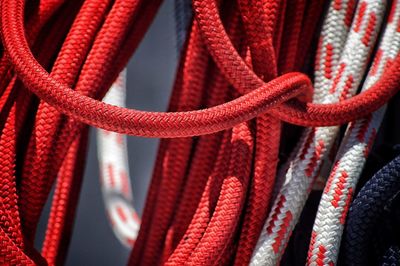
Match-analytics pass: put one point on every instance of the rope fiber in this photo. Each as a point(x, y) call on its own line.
point(223, 191)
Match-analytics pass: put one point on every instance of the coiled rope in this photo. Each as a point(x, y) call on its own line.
point(210, 195)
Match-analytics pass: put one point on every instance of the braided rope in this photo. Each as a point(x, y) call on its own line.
point(39, 170)
point(183, 15)
point(244, 79)
point(392, 257)
point(260, 19)
point(65, 201)
point(114, 169)
point(209, 195)
point(351, 157)
point(112, 151)
point(15, 102)
point(317, 142)
point(365, 211)
point(189, 123)
point(208, 166)
point(206, 193)
point(332, 40)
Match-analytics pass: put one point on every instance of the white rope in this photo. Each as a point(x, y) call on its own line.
point(354, 149)
point(316, 142)
point(114, 169)
point(112, 151)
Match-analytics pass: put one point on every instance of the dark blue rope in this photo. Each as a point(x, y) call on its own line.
point(365, 217)
point(392, 257)
point(183, 15)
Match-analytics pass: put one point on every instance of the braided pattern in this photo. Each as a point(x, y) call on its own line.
point(316, 143)
point(11, 127)
point(36, 183)
point(196, 229)
point(201, 167)
point(191, 123)
point(392, 257)
point(365, 211)
point(204, 189)
point(11, 220)
point(37, 180)
point(330, 46)
point(223, 224)
point(210, 195)
point(114, 169)
point(10, 252)
point(140, 123)
point(19, 113)
point(65, 201)
point(349, 162)
point(260, 19)
point(183, 15)
point(71, 129)
point(15, 101)
point(244, 79)
point(175, 163)
point(65, 133)
point(35, 23)
point(150, 206)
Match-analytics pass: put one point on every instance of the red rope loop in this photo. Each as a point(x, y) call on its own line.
point(260, 96)
point(130, 121)
point(294, 111)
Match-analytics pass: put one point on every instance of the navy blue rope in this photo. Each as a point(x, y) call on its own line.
point(392, 257)
point(183, 15)
point(366, 212)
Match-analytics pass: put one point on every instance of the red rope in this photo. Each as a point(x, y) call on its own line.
point(295, 112)
point(209, 196)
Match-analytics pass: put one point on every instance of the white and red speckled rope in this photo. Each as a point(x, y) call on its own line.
point(353, 151)
point(330, 47)
point(114, 168)
point(113, 150)
point(316, 142)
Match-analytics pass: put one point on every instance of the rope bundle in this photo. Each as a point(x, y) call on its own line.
point(245, 73)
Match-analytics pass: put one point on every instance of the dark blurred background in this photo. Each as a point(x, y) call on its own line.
point(150, 77)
